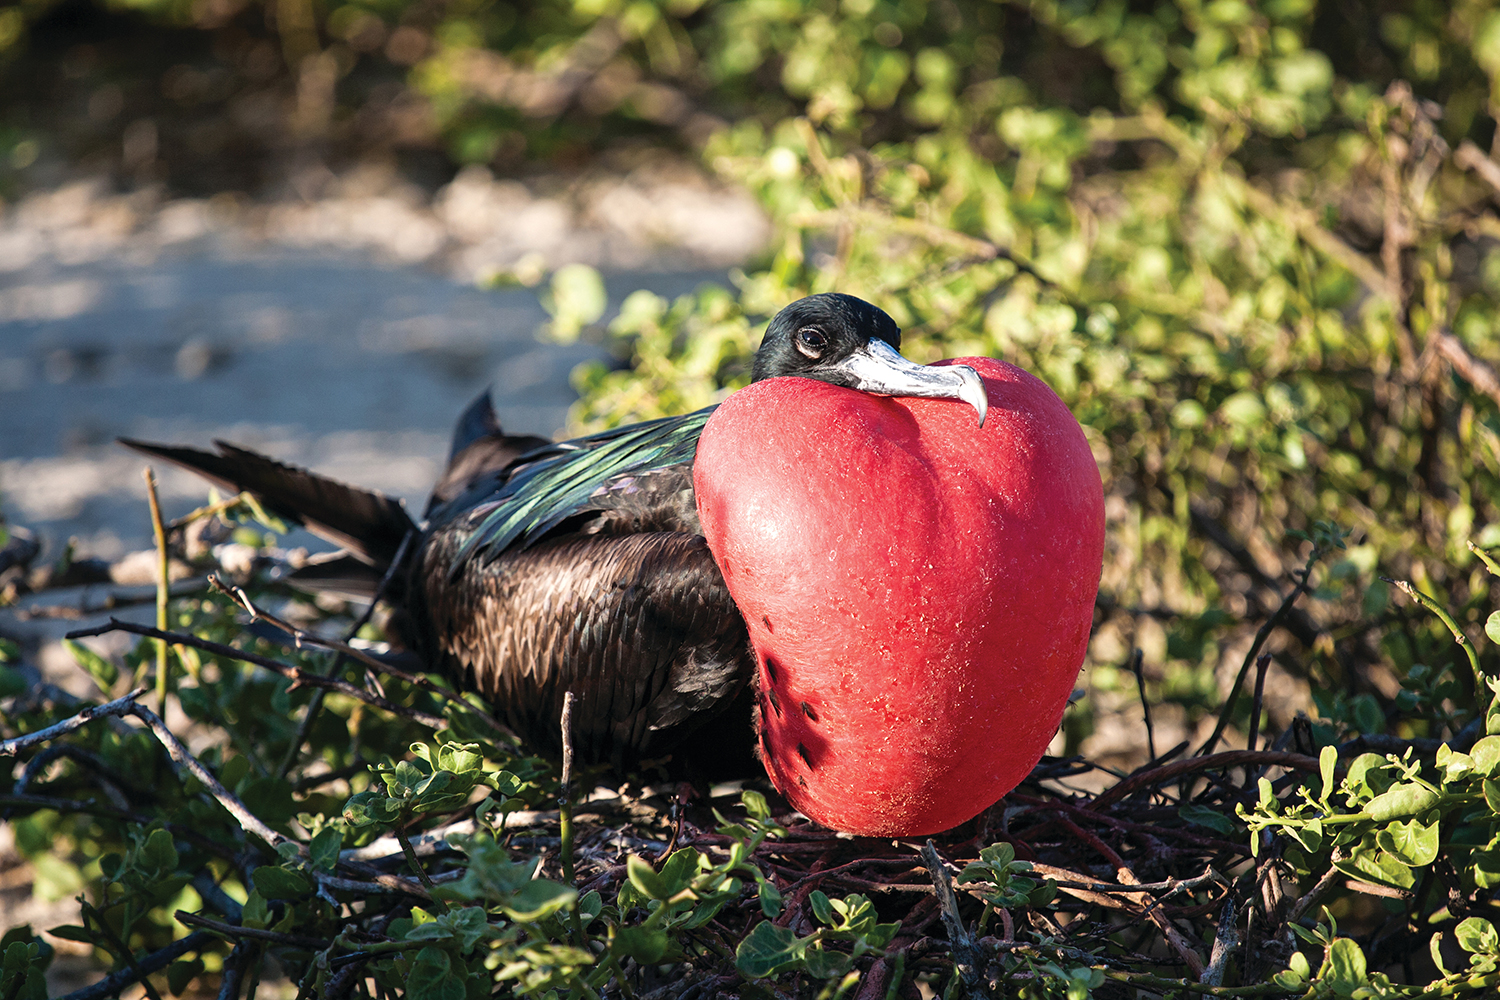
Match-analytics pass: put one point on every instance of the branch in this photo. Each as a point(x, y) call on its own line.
point(236, 932)
point(1179, 944)
point(247, 820)
point(1471, 157)
point(1478, 374)
point(965, 955)
point(113, 985)
point(296, 674)
point(1229, 758)
point(118, 707)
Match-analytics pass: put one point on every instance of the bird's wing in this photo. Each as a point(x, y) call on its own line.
point(481, 452)
point(640, 627)
point(559, 482)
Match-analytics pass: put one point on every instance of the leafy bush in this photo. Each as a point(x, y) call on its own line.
point(1251, 245)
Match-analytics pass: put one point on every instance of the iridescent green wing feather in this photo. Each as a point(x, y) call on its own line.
point(560, 481)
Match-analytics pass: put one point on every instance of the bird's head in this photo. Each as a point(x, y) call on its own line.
point(846, 341)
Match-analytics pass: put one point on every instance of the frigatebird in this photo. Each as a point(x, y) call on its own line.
point(581, 566)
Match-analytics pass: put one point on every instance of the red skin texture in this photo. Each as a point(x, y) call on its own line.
point(919, 590)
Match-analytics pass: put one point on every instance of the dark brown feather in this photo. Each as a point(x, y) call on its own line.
point(369, 524)
point(639, 626)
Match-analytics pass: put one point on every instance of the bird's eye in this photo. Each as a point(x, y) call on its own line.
point(811, 341)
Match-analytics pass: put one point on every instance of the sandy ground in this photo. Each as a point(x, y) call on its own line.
point(345, 333)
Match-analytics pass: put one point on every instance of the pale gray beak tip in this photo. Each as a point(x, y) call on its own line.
point(971, 391)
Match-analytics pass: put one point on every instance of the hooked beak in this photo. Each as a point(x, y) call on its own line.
point(879, 368)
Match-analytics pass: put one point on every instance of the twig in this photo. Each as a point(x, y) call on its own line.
point(343, 649)
point(416, 865)
point(247, 820)
point(1136, 657)
point(295, 674)
point(163, 587)
point(1458, 634)
point(965, 955)
point(118, 707)
point(237, 932)
point(1179, 944)
point(1478, 374)
point(316, 704)
point(1319, 889)
point(1262, 665)
point(112, 985)
point(1471, 157)
point(234, 969)
point(1229, 758)
point(1226, 939)
point(565, 797)
point(1261, 635)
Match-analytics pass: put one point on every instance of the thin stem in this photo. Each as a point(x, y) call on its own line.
point(416, 866)
point(1484, 557)
point(1458, 634)
point(162, 586)
point(1302, 587)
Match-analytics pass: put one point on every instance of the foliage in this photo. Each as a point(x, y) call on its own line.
point(1252, 246)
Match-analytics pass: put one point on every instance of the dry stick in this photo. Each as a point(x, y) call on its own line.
point(565, 798)
point(206, 511)
point(118, 707)
point(113, 985)
point(1140, 683)
point(247, 820)
point(234, 969)
point(965, 956)
point(316, 704)
point(251, 823)
point(1179, 944)
point(296, 674)
point(237, 932)
point(1261, 636)
point(1229, 758)
point(163, 586)
point(343, 649)
point(1226, 939)
point(1262, 664)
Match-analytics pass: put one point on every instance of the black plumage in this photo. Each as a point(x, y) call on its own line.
point(544, 568)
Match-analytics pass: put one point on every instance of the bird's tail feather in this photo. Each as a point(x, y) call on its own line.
point(368, 524)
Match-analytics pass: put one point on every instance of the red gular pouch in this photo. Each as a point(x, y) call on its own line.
point(918, 589)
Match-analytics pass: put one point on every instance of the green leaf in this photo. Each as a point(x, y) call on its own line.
point(1207, 817)
point(1486, 754)
point(1399, 801)
point(1328, 760)
point(770, 899)
point(101, 670)
point(576, 298)
point(159, 853)
point(1344, 969)
point(755, 804)
point(824, 964)
point(646, 946)
point(645, 879)
point(324, 849)
point(432, 978)
point(180, 974)
point(537, 899)
point(1492, 626)
point(1477, 936)
point(274, 882)
point(1415, 844)
point(822, 907)
point(767, 950)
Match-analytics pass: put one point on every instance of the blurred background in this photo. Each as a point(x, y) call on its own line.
point(1252, 245)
